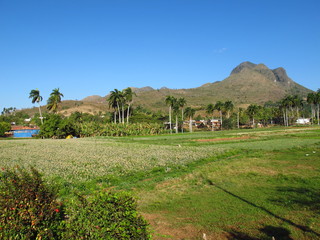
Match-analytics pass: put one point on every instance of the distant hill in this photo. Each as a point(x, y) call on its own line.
point(248, 83)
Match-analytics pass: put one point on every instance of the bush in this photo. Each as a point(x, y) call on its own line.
point(228, 123)
point(50, 126)
point(4, 127)
point(105, 215)
point(29, 209)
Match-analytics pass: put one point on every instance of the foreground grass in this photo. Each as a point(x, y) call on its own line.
point(253, 195)
point(249, 184)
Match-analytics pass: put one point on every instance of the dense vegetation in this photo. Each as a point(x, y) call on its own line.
point(30, 210)
point(126, 120)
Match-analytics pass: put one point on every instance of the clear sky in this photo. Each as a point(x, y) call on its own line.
point(90, 47)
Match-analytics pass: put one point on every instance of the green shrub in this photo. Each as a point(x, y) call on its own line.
point(228, 123)
point(28, 207)
point(105, 215)
point(50, 126)
point(29, 210)
point(4, 127)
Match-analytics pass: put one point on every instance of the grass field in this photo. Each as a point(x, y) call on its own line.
point(248, 184)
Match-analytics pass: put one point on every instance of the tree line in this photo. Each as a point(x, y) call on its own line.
point(225, 115)
point(286, 111)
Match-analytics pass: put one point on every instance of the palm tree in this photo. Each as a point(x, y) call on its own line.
point(113, 104)
point(170, 101)
point(36, 97)
point(182, 102)
point(210, 110)
point(54, 100)
point(287, 104)
point(115, 99)
point(219, 106)
point(240, 111)
point(317, 101)
point(175, 108)
point(252, 111)
point(190, 113)
point(297, 103)
point(128, 96)
point(311, 100)
point(228, 106)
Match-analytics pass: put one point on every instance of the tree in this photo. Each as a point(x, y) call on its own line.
point(50, 127)
point(36, 97)
point(8, 111)
point(175, 108)
point(54, 100)
point(115, 100)
point(297, 103)
point(182, 102)
point(4, 127)
point(287, 105)
point(170, 101)
point(252, 111)
point(219, 106)
point(128, 96)
point(228, 106)
point(317, 101)
point(190, 113)
point(210, 110)
point(240, 111)
point(311, 99)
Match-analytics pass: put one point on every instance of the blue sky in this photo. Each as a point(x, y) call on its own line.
point(92, 47)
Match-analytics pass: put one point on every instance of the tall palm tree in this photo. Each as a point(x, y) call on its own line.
point(239, 113)
point(128, 96)
point(175, 108)
point(170, 100)
point(182, 102)
point(190, 113)
point(297, 103)
point(219, 106)
point(228, 106)
point(311, 100)
point(287, 104)
point(36, 98)
point(210, 110)
point(115, 100)
point(54, 100)
point(113, 104)
point(317, 101)
point(252, 111)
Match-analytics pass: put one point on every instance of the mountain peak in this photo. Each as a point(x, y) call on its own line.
point(242, 66)
point(281, 75)
point(143, 89)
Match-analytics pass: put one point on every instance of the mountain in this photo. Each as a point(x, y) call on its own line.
point(247, 83)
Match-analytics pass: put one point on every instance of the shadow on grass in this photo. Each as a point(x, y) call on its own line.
point(298, 197)
point(268, 232)
point(301, 227)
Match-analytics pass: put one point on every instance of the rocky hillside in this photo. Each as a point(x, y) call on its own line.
point(248, 83)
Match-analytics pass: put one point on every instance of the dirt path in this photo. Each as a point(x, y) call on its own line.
point(222, 139)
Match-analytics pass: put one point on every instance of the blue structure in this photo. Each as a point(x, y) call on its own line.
point(25, 133)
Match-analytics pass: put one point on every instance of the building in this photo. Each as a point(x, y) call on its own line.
point(24, 132)
point(303, 121)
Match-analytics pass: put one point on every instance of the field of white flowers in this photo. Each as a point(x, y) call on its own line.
point(87, 158)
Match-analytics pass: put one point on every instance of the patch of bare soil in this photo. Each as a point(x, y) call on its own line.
point(221, 139)
point(162, 229)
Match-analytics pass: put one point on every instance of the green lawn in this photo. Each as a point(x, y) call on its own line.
point(243, 184)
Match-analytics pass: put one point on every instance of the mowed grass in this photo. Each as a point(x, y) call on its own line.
point(248, 184)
